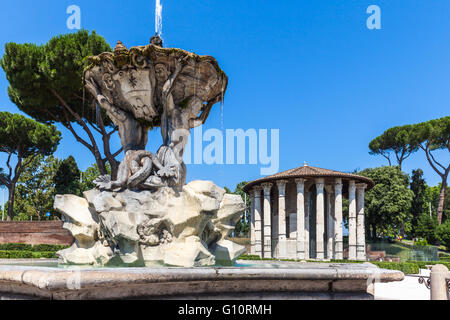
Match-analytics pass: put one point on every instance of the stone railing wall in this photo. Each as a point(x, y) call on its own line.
point(35, 232)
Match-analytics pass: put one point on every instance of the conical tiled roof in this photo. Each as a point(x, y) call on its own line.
point(306, 171)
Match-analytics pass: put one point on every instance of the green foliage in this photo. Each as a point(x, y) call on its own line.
point(388, 203)
point(27, 251)
point(409, 267)
point(242, 227)
point(90, 175)
point(67, 178)
point(35, 72)
point(444, 257)
point(33, 248)
point(424, 264)
point(430, 136)
point(255, 257)
point(418, 205)
point(3, 178)
point(421, 243)
point(426, 228)
point(397, 140)
point(35, 191)
point(432, 196)
point(42, 179)
point(435, 133)
point(46, 82)
point(25, 137)
point(16, 254)
point(443, 234)
point(405, 267)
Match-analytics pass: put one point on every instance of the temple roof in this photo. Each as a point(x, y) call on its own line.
point(306, 171)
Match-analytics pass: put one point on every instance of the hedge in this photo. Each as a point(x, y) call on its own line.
point(34, 248)
point(409, 267)
point(423, 264)
point(255, 257)
point(24, 254)
point(405, 267)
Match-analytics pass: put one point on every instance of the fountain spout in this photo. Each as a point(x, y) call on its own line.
point(156, 40)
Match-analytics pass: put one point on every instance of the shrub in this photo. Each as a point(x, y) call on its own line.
point(423, 264)
point(23, 254)
point(444, 256)
point(405, 267)
point(15, 254)
point(443, 234)
point(427, 227)
point(409, 267)
point(421, 242)
point(29, 247)
point(44, 254)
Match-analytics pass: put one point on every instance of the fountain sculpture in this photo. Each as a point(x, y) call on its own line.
point(148, 215)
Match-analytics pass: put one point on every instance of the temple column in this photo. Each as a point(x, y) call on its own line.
point(330, 220)
point(352, 221)
point(320, 217)
point(267, 252)
point(300, 218)
point(252, 223)
point(360, 227)
point(338, 247)
point(307, 215)
point(258, 226)
point(282, 245)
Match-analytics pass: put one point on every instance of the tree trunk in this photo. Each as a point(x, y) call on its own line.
point(100, 163)
point(440, 208)
point(374, 232)
point(11, 195)
point(114, 168)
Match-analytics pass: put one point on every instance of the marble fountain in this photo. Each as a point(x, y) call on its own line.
point(148, 234)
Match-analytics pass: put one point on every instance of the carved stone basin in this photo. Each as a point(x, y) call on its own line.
point(133, 79)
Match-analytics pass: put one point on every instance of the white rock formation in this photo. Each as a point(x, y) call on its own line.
point(164, 227)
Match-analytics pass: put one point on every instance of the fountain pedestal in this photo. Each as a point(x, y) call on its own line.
point(260, 281)
point(150, 228)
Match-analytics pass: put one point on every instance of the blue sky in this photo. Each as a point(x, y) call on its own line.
point(311, 69)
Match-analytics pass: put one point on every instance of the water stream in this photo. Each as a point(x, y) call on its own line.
point(158, 18)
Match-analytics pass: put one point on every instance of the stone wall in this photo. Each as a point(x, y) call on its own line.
point(35, 232)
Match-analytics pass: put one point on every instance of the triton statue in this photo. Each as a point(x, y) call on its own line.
point(148, 215)
point(151, 86)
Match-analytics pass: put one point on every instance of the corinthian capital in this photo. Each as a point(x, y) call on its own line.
point(267, 186)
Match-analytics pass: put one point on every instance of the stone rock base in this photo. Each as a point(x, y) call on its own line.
point(145, 228)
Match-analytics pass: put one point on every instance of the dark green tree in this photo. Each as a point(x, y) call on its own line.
point(24, 139)
point(67, 178)
point(388, 203)
point(35, 191)
point(431, 136)
point(396, 140)
point(427, 227)
point(46, 82)
point(443, 234)
point(88, 177)
point(243, 225)
point(418, 205)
